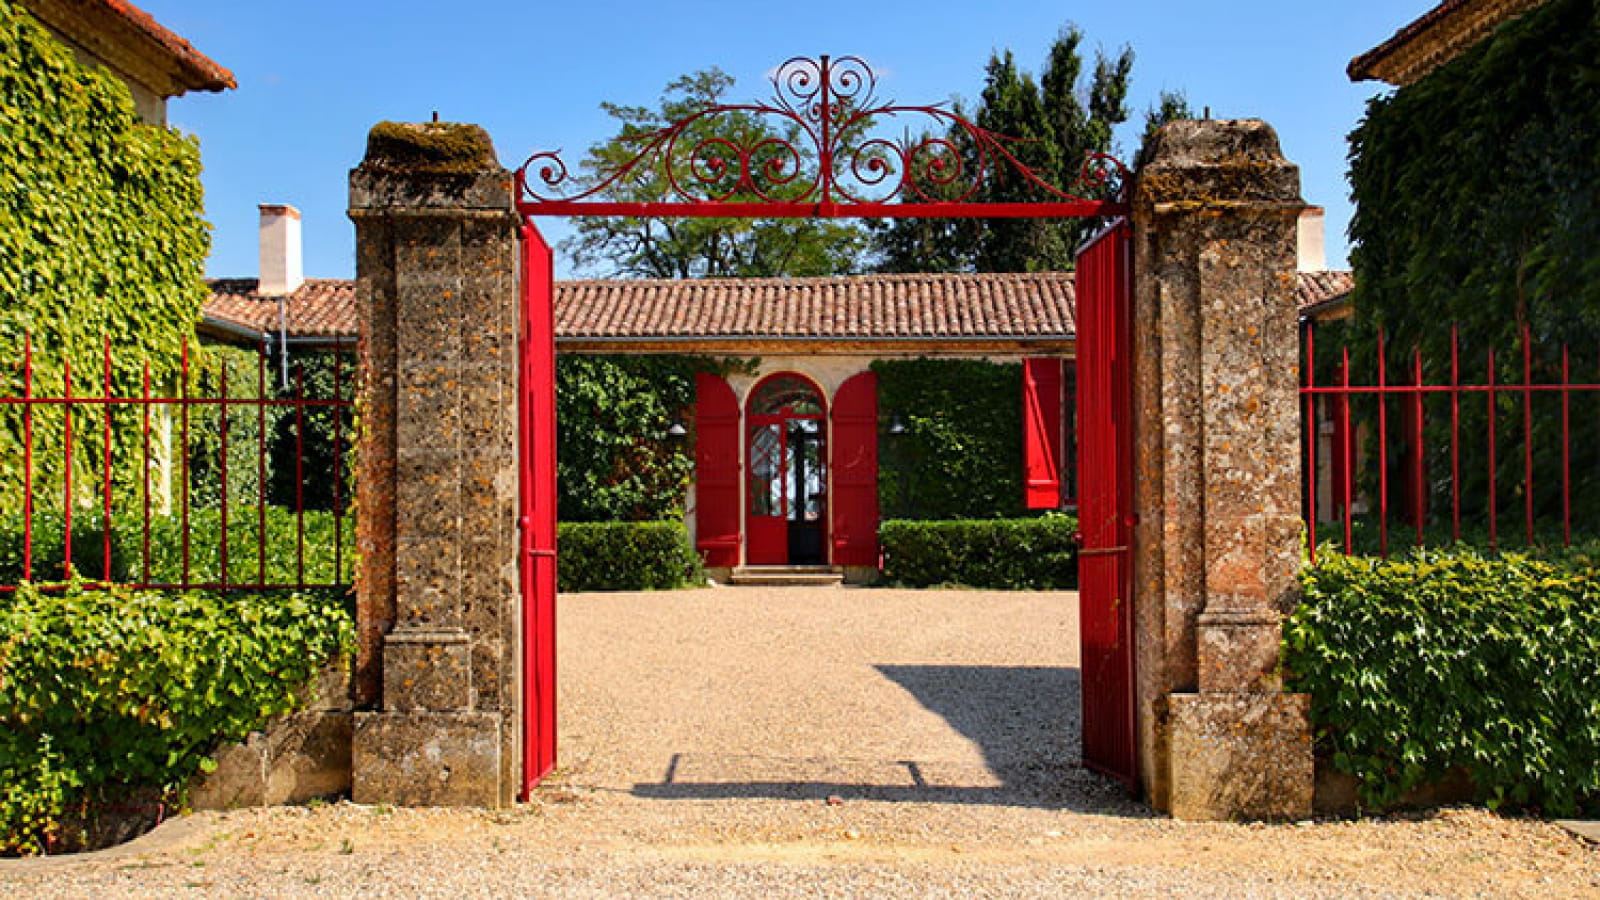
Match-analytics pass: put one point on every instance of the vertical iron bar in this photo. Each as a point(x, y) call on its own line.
point(1349, 451)
point(1383, 452)
point(27, 457)
point(145, 539)
point(261, 465)
point(1494, 542)
point(66, 495)
point(299, 473)
point(1455, 435)
point(1419, 469)
point(1527, 430)
point(105, 466)
point(1567, 452)
point(1311, 441)
point(183, 442)
point(222, 454)
point(338, 465)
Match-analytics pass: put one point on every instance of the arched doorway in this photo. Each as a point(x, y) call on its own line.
point(786, 493)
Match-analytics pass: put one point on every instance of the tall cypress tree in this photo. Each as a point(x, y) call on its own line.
point(1057, 120)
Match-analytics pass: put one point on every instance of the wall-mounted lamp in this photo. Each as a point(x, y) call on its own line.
point(896, 424)
point(677, 430)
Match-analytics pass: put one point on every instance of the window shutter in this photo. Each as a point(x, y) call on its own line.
point(716, 470)
point(855, 472)
point(1041, 433)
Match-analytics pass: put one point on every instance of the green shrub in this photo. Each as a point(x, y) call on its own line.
point(1449, 660)
point(625, 556)
point(324, 562)
point(1017, 554)
point(106, 690)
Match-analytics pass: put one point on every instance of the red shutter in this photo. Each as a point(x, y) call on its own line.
point(716, 470)
point(1041, 432)
point(855, 472)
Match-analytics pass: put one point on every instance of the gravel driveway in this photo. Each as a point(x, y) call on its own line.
point(802, 742)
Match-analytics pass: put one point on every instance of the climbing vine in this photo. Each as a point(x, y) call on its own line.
point(958, 452)
point(100, 237)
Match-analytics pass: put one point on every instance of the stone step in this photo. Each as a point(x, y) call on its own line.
point(769, 576)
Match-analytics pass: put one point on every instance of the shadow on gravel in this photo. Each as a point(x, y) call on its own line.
point(1025, 720)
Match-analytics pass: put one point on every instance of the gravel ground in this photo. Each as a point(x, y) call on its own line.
point(789, 742)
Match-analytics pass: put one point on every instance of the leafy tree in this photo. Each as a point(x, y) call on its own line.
point(694, 248)
point(1171, 106)
point(1058, 119)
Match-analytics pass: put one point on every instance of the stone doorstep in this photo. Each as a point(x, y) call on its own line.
point(779, 576)
point(1588, 829)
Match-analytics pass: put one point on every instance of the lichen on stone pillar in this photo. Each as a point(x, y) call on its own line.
point(1217, 471)
point(437, 590)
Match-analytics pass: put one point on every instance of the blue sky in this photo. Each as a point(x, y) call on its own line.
point(315, 76)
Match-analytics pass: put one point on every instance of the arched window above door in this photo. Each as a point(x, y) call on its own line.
point(786, 395)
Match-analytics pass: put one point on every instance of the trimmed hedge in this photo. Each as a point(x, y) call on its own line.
point(1451, 660)
point(1015, 554)
point(625, 556)
point(107, 692)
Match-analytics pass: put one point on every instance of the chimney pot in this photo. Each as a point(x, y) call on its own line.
point(281, 271)
point(1311, 241)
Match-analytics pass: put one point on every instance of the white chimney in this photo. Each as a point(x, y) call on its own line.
point(1313, 253)
point(281, 272)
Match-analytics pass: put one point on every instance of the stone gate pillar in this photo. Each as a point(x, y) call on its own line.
point(436, 258)
point(1217, 472)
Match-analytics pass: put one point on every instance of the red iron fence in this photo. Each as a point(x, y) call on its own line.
point(247, 487)
point(1441, 451)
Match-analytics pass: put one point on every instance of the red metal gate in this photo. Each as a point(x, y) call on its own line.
point(536, 355)
point(1105, 503)
point(833, 165)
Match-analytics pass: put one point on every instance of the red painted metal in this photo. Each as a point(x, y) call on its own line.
point(300, 473)
point(75, 410)
point(537, 434)
point(834, 166)
point(261, 469)
point(855, 471)
point(1105, 510)
point(1310, 433)
point(1527, 431)
point(1041, 433)
point(1414, 395)
point(1383, 452)
point(717, 466)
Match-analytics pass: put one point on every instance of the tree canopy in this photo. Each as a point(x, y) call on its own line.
point(1059, 119)
point(646, 247)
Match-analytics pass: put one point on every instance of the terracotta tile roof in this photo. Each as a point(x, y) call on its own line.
point(119, 28)
point(1433, 39)
point(1317, 288)
point(320, 308)
point(844, 308)
point(881, 307)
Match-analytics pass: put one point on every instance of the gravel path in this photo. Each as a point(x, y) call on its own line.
point(792, 742)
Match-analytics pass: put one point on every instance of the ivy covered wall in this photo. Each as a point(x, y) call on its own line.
point(100, 236)
point(1477, 194)
point(960, 453)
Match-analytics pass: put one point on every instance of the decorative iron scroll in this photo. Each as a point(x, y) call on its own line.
point(827, 161)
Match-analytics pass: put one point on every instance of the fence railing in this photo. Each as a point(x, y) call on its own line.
point(242, 486)
point(1445, 451)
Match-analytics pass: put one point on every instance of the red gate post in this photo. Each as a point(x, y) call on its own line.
point(437, 597)
point(1217, 472)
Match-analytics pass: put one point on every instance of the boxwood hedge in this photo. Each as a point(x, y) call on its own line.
point(1036, 553)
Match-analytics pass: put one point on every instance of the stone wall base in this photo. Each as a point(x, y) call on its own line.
point(1240, 756)
point(427, 759)
point(296, 758)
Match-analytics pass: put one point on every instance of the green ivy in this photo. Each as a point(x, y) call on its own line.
point(100, 237)
point(615, 460)
point(625, 556)
point(1477, 193)
point(960, 453)
point(102, 691)
point(1448, 661)
point(1009, 554)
